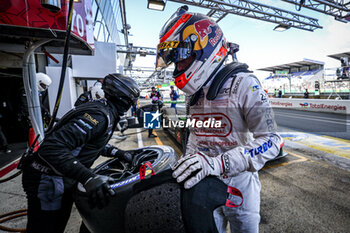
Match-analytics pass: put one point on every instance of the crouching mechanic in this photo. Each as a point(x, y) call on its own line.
point(67, 152)
point(246, 138)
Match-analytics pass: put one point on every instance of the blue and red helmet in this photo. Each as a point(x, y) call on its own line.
point(195, 44)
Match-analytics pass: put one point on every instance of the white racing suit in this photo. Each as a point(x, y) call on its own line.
point(246, 140)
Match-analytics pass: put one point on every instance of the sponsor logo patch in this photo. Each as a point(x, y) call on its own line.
point(223, 131)
point(203, 27)
point(255, 88)
point(90, 118)
point(261, 149)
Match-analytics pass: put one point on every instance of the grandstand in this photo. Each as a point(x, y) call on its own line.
point(294, 77)
point(343, 72)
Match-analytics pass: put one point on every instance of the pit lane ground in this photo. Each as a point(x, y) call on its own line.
point(307, 191)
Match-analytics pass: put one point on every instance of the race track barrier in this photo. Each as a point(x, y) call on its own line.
point(315, 105)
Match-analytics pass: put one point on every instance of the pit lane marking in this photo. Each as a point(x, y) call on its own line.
point(334, 138)
point(158, 141)
point(139, 138)
point(301, 159)
point(325, 143)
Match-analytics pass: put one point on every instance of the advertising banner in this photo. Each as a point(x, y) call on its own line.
point(31, 14)
point(316, 105)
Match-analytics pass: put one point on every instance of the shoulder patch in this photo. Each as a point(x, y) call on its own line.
point(91, 119)
point(255, 88)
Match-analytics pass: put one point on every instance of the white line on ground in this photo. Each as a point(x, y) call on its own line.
point(139, 138)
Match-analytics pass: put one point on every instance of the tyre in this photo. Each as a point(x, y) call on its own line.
point(150, 211)
point(111, 218)
point(161, 205)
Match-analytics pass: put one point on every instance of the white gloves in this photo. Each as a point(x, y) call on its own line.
point(193, 168)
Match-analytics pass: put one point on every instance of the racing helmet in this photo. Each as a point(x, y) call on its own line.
point(121, 90)
point(195, 44)
point(97, 93)
point(43, 81)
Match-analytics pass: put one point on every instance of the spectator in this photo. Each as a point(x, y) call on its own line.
point(155, 97)
point(306, 94)
point(155, 93)
point(276, 93)
point(279, 93)
point(173, 96)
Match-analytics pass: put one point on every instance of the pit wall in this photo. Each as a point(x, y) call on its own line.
point(315, 105)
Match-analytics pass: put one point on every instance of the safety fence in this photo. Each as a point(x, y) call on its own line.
point(315, 105)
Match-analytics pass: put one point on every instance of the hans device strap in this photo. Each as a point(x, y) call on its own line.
point(219, 80)
point(223, 75)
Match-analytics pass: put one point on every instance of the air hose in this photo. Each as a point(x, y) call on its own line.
point(12, 215)
point(11, 177)
point(64, 65)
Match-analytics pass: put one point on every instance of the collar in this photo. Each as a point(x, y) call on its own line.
point(114, 109)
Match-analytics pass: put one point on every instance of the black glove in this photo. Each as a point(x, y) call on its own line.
point(99, 191)
point(114, 152)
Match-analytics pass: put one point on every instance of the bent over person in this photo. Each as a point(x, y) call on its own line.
point(67, 152)
point(245, 140)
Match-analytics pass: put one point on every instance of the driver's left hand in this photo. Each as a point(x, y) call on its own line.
point(195, 167)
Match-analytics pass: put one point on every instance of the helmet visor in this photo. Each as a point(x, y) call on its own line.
point(173, 51)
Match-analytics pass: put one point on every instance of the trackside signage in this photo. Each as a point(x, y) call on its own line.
point(333, 106)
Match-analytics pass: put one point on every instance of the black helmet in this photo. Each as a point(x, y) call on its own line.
point(121, 90)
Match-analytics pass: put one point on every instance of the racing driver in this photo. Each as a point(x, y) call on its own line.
point(247, 137)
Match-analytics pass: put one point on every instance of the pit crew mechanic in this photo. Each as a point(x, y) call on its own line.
point(247, 139)
point(94, 93)
point(67, 152)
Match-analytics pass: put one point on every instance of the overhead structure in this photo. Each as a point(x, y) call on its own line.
point(255, 10)
point(131, 52)
point(142, 51)
point(126, 27)
point(129, 58)
point(139, 69)
point(151, 77)
point(156, 4)
point(340, 9)
point(218, 15)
